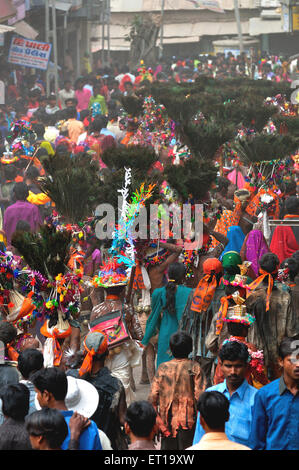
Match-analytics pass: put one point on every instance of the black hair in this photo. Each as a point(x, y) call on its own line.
point(231, 270)
point(141, 417)
point(71, 112)
point(237, 329)
point(116, 290)
point(96, 125)
point(39, 129)
point(287, 347)
point(105, 121)
point(176, 274)
point(53, 380)
point(22, 163)
point(62, 149)
point(292, 205)
point(7, 332)
point(73, 100)
point(234, 351)
point(30, 361)
point(50, 424)
point(49, 119)
point(223, 183)
point(15, 401)
point(32, 172)
point(290, 187)
point(23, 226)
point(269, 262)
point(84, 114)
point(180, 344)
point(10, 172)
point(97, 86)
point(41, 153)
point(293, 265)
point(213, 406)
point(79, 81)
point(20, 191)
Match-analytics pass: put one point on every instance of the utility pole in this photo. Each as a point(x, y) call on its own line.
point(239, 27)
point(54, 36)
point(105, 20)
point(108, 30)
point(47, 29)
point(103, 30)
point(162, 30)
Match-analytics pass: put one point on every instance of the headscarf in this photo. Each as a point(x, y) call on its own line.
point(229, 260)
point(95, 343)
point(236, 239)
point(52, 348)
point(255, 248)
point(284, 243)
point(259, 280)
point(228, 218)
point(206, 287)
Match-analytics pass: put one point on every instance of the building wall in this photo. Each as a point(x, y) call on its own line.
point(171, 5)
point(186, 26)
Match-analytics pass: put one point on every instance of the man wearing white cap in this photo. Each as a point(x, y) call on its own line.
point(83, 398)
point(110, 412)
point(51, 385)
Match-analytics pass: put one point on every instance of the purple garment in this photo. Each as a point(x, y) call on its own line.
point(94, 263)
point(256, 247)
point(21, 210)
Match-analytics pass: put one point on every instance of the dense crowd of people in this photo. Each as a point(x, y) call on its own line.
point(215, 335)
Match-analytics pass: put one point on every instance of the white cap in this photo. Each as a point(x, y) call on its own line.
point(81, 396)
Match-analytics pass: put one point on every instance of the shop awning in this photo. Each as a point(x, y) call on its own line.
point(64, 6)
point(7, 10)
point(5, 29)
point(24, 29)
point(258, 26)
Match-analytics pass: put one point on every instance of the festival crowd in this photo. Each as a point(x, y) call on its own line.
point(214, 330)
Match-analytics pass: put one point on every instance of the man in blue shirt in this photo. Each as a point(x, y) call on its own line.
point(275, 414)
point(51, 387)
point(234, 357)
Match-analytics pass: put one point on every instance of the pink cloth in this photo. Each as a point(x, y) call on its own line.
point(232, 176)
point(94, 263)
point(83, 97)
point(256, 247)
point(21, 210)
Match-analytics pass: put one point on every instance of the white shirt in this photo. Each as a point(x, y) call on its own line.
point(65, 95)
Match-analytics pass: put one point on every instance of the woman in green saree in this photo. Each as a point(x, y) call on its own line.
point(167, 304)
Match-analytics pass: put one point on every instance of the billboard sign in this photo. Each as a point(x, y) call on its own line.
point(29, 53)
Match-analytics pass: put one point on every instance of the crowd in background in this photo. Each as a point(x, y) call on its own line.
point(246, 397)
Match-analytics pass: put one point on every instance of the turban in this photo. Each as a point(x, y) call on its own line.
point(95, 343)
point(259, 280)
point(206, 287)
point(230, 259)
point(52, 348)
